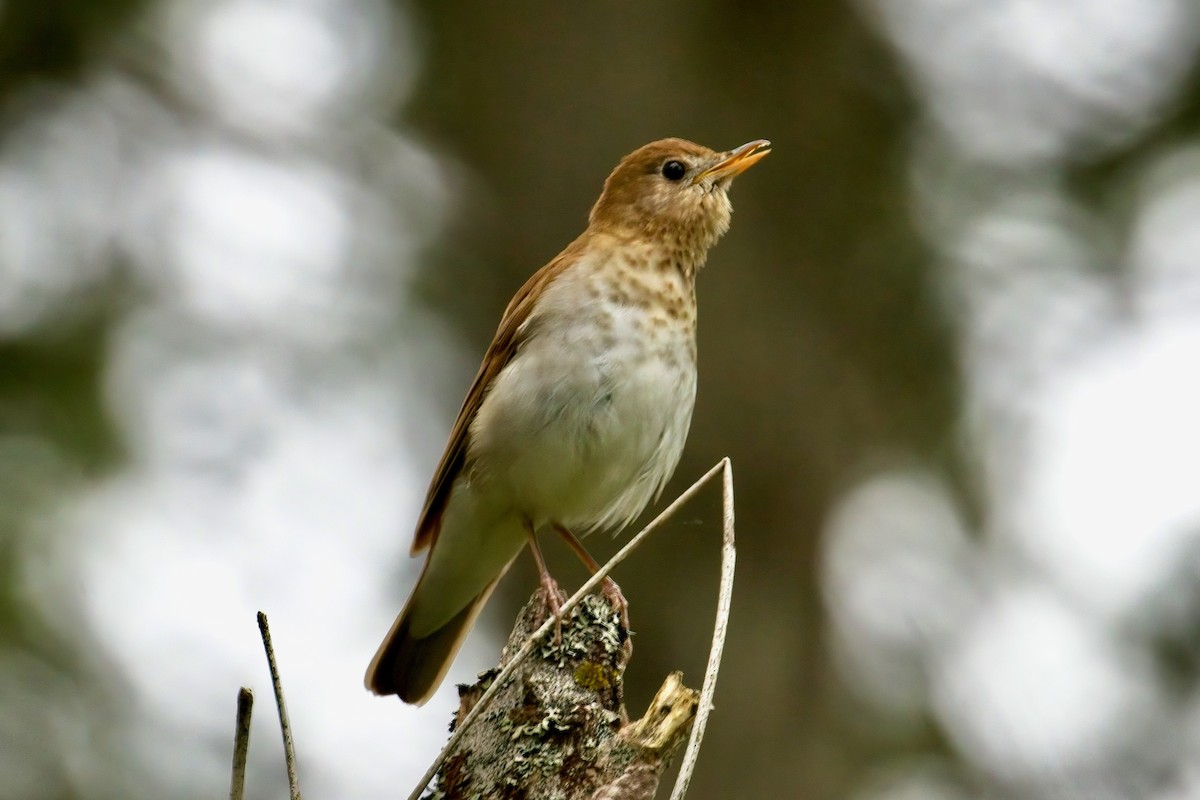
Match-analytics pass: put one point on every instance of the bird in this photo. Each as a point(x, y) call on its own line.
point(579, 412)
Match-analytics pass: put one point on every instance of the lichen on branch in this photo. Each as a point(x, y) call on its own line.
point(559, 730)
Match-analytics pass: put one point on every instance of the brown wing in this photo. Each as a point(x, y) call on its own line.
point(504, 345)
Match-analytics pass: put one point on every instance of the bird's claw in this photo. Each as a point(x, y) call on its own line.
point(612, 593)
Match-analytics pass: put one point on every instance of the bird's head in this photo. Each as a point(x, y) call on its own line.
point(674, 189)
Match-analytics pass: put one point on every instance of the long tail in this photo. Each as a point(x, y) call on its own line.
point(412, 667)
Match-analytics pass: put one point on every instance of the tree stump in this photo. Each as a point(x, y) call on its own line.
point(559, 729)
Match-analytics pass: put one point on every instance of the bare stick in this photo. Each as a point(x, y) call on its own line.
point(241, 743)
point(574, 600)
point(720, 627)
point(289, 749)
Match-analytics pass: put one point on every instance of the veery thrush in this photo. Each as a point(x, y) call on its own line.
point(579, 412)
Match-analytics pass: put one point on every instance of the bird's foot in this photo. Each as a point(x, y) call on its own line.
point(608, 589)
point(612, 593)
point(554, 598)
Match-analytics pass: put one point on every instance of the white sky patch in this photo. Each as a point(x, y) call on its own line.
point(1028, 80)
point(1027, 291)
point(58, 178)
point(1079, 357)
point(1112, 499)
point(300, 505)
point(897, 578)
point(270, 59)
point(1034, 690)
point(253, 242)
point(285, 67)
point(267, 416)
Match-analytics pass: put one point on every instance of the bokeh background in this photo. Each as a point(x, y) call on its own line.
point(250, 253)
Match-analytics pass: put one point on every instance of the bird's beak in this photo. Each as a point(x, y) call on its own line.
point(735, 162)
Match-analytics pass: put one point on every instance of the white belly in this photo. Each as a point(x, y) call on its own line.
point(585, 425)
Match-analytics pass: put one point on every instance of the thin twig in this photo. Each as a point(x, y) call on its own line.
point(241, 743)
point(289, 749)
point(531, 643)
point(720, 627)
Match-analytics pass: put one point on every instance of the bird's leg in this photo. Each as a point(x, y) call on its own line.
point(549, 585)
point(609, 587)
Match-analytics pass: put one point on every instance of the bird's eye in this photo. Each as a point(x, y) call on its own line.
point(674, 170)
